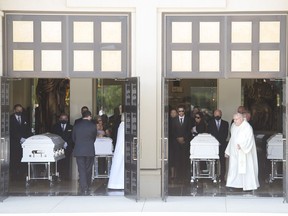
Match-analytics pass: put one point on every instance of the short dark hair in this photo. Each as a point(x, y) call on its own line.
point(84, 108)
point(17, 105)
point(86, 113)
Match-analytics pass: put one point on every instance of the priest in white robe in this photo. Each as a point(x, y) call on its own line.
point(242, 154)
point(116, 179)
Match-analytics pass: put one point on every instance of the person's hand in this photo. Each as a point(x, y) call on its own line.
point(226, 156)
point(180, 140)
point(22, 140)
point(65, 145)
point(238, 146)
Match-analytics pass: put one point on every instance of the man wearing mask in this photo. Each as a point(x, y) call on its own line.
point(20, 130)
point(218, 128)
point(64, 129)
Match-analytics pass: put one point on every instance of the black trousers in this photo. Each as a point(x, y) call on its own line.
point(85, 165)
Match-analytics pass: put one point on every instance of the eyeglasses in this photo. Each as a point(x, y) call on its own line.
point(180, 110)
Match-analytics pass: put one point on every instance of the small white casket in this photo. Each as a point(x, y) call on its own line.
point(275, 147)
point(103, 146)
point(204, 146)
point(43, 148)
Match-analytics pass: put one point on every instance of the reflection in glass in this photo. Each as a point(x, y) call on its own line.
point(269, 60)
point(51, 32)
point(23, 60)
point(83, 60)
point(209, 32)
point(181, 32)
point(23, 31)
point(51, 60)
point(111, 60)
point(209, 61)
point(241, 32)
point(241, 61)
point(269, 32)
point(182, 61)
point(111, 32)
point(83, 32)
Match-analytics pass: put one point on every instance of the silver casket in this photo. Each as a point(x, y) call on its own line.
point(43, 148)
point(204, 146)
point(275, 147)
point(103, 146)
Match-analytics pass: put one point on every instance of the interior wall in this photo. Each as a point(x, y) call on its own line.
point(229, 97)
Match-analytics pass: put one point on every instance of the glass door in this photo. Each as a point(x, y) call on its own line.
point(4, 140)
point(132, 166)
point(164, 143)
point(285, 134)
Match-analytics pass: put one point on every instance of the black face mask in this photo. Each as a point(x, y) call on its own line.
point(63, 121)
point(18, 113)
point(218, 117)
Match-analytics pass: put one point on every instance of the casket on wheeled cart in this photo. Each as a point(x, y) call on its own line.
point(103, 157)
point(275, 155)
point(42, 152)
point(204, 155)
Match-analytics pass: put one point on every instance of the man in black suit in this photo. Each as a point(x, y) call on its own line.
point(84, 135)
point(181, 137)
point(64, 129)
point(19, 131)
point(218, 128)
point(83, 109)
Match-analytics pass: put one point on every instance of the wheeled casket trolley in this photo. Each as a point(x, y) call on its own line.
point(204, 155)
point(275, 155)
point(42, 152)
point(103, 149)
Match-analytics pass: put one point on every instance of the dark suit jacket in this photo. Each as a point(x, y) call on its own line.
point(66, 136)
point(18, 131)
point(183, 130)
point(220, 135)
point(84, 135)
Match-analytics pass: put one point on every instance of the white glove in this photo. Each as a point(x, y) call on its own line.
point(65, 145)
point(22, 140)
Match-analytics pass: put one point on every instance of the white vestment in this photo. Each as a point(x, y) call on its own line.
point(243, 164)
point(116, 179)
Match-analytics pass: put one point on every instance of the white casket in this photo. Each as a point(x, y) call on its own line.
point(43, 148)
point(103, 146)
point(204, 146)
point(275, 147)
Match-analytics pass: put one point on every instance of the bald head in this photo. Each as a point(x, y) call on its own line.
point(238, 118)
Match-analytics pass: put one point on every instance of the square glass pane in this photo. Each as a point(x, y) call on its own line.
point(182, 61)
point(83, 32)
point(241, 61)
point(181, 32)
point(83, 60)
point(241, 32)
point(23, 60)
point(209, 61)
point(209, 32)
point(23, 31)
point(110, 32)
point(111, 60)
point(51, 32)
point(269, 32)
point(51, 60)
point(269, 60)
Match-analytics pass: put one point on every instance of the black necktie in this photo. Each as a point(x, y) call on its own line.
point(63, 127)
point(181, 121)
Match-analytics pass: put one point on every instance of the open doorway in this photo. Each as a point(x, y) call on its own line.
point(43, 101)
point(263, 99)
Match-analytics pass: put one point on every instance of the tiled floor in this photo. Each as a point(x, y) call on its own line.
point(201, 187)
